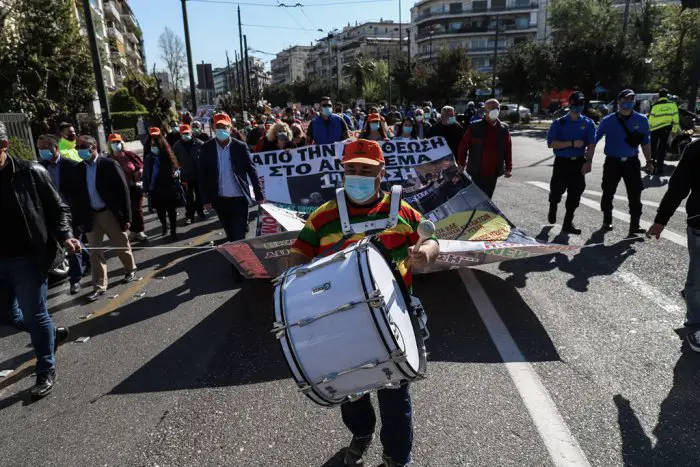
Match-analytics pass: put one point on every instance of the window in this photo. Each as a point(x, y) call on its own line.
point(522, 22)
point(455, 8)
point(480, 5)
point(498, 4)
point(455, 25)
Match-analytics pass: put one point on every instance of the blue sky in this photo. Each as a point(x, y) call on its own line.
point(214, 26)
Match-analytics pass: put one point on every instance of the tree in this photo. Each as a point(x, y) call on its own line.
point(376, 86)
point(122, 101)
point(453, 76)
point(301, 89)
point(45, 64)
point(278, 94)
point(148, 92)
point(524, 72)
point(357, 70)
point(172, 51)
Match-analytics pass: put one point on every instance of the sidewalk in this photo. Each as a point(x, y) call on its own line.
point(135, 147)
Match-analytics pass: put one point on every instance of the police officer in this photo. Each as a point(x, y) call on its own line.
point(624, 131)
point(573, 139)
point(663, 119)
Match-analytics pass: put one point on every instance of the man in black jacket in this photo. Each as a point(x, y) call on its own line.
point(36, 222)
point(225, 167)
point(103, 207)
point(63, 173)
point(449, 129)
point(684, 182)
point(187, 152)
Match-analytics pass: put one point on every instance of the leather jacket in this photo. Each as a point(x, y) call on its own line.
point(47, 217)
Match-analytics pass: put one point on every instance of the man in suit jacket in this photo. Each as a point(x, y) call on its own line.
point(225, 167)
point(63, 174)
point(103, 207)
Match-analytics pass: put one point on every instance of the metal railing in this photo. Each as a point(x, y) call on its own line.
point(473, 29)
point(18, 126)
point(472, 10)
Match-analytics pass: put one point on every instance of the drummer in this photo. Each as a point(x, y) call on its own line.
point(363, 162)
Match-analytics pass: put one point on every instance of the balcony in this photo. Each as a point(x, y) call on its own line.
point(513, 7)
point(423, 35)
point(114, 33)
point(113, 10)
point(132, 37)
point(117, 58)
point(129, 20)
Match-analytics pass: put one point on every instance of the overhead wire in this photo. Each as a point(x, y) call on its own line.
point(291, 5)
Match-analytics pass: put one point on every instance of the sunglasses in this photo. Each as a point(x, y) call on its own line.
point(82, 146)
point(327, 106)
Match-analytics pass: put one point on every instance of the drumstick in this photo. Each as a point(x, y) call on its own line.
point(425, 230)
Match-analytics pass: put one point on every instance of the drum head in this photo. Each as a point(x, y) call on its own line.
point(402, 329)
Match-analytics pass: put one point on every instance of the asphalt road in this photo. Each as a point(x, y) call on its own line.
point(559, 360)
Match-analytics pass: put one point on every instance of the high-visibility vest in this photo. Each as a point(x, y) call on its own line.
point(664, 113)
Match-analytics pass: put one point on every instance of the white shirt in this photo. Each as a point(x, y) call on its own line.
point(96, 201)
point(228, 184)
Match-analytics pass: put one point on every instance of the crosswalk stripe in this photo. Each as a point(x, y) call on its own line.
point(667, 234)
point(622, 198)
point(649, 292)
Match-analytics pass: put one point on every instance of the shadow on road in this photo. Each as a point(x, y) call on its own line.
point(653, 182)
point(535, 133)
point(677, 430)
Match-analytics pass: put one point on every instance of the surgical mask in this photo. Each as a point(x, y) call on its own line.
point(452, 120)
point(46, 154)
point(222, 134)
point(155, 150)
point(493, 114)
point(196, 131)
point(84, 154)
point(326, 111)
point(187, 138)
point(174, 129)
point(359, 188)
point(419, 118)
point(374, 126)
point(116, 147)
point(627, 105)
point(578, 109)
point(407, 130)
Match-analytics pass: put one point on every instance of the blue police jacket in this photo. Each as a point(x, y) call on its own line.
point(327, 132)
point(616, 137)
point(566, 129)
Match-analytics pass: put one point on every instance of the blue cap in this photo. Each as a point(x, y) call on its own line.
point(625, 93)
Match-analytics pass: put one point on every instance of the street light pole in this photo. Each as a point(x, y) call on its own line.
point(495, 59)
point(430, 34)
point(408, 33)
point(190, 67)
point(97, 68)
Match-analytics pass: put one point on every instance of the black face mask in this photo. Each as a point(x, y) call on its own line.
point(71, 137)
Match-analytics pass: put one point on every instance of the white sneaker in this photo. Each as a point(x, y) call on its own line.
point(140, 236)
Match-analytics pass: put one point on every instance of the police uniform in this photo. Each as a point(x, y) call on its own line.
point(567, 175)
point(622, 162)
point(663, 119)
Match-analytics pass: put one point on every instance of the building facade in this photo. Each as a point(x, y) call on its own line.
point(290, 65)
point(119, 39)
point(228, 79)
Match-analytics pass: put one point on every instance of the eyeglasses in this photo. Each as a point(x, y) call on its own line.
point(82, 146)
point(327, 105)
point(628, 98)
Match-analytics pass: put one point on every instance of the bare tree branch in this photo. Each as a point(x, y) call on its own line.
point(172, 50)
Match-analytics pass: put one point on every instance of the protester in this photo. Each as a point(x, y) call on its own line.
point(486, 150)
point(339, 112)
point(173, 135)
point(573, 139)
point(197, 132)
point(422, 127)
point(103, 206)
point(66, 144)
point(133, 171)
point(187, 119)
point(406, 129)
point(63, 173)
point(470, 113)
point(224, 170)
point(163, 183)
point(298, 135)
point(30, 246)
point(278, 137)
point(663, 120)
point(449, 129)
point(364, 169)
point(685, 183)
point(374, 130)
point(624, 131)
point(257, 132)
point(187, 152)
point(327, 127)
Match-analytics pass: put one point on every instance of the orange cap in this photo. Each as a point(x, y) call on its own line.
point(185, 128)
point(115, 138)
point(154, 131)
point(222, 118)
point(374, 118)
point(363, 151)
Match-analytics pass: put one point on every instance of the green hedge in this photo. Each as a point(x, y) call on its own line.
point(128, 134)
point(20, 149)
point(127, 119)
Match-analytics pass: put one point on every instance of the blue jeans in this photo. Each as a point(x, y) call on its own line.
point(233, 215)
point(77, 263)
point(397, 421)
point(692, 284)
point(23, 291)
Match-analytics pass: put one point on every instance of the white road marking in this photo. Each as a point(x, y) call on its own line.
point(563, 448)
point(623, 198)
point(667, 234)
point(649, 292)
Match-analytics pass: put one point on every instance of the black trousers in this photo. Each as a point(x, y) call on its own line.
point(486, 184)
point(659, 145)
point(567, 177)
point(615, 169)
point(194, 200)
point(168, 213)
point(233, 215)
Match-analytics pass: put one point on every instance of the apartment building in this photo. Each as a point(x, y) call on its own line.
point(226, 80)
point(290, 64)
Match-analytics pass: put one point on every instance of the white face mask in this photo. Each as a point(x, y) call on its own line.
point(419, 118)
point(493, 114)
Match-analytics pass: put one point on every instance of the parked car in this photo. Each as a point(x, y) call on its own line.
point(510, 111)
point(600, 106)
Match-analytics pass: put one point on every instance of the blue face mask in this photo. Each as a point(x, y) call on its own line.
point(187, 138)
point(155, 150)
point(222, 134)
point(326, 111)
point(46, 154)
point(407, 130)
point(452, 120)
point(84, 154)
point(359, 188)
point(577, 109)
point(374, 126)
point(627, 105)
point(116, 147)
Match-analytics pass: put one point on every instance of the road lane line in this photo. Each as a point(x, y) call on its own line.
point(563, 448)
point(667, 234)
point(649, 292)
point(623, 198)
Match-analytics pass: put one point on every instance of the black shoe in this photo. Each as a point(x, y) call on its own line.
point(358, 448)
point(607, 221)
point(93, 297)
point(389, 462)
point(570, 228)
point(75, 288)
point(693, 338)
point(635, 229)
point(60, 335)
point(45, 382)
point(164, 230)
point(552, 216)
point(130, 277)
point(173, 236)
point(189, 221)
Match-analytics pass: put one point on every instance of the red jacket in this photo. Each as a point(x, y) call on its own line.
point(490, 158)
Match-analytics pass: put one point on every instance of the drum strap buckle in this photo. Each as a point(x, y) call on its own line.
point(333, 376)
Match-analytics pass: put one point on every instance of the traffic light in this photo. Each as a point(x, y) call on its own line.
point(690, 3)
